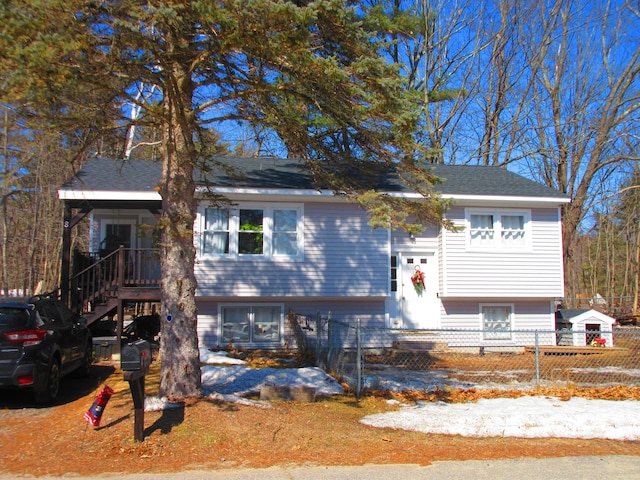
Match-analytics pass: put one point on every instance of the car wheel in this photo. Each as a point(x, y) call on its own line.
point(84, 370)
point(49, 393)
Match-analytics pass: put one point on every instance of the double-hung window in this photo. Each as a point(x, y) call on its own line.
point(496, 321)
point(492, 230)
point(216, 235)
point(264, 232)
point(286, 235)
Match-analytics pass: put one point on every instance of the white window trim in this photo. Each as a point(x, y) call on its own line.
point(497, 243)
point(267, 229)
point(221, 306)
point(484, 339)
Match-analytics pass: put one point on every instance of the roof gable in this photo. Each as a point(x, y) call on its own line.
point(577, 316)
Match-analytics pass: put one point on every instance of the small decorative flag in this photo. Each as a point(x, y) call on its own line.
point(94, 414)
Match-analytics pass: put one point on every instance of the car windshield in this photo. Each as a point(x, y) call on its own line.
point(13, 318)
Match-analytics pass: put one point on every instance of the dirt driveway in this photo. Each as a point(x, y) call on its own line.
point(211, 435)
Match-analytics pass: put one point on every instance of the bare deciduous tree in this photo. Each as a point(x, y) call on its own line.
point(551, 88)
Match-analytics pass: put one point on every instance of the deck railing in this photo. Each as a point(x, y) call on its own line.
point(100, 277)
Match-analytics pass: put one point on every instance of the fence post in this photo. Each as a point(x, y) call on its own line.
point(537, 357)
point(358, 359)
point(318, 339)
point(330, 353)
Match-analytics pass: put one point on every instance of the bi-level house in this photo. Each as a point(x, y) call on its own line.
point(284, 245)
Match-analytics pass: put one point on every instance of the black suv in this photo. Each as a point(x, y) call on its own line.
point(41, 340)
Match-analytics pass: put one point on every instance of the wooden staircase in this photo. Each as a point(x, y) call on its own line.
point(102, 284)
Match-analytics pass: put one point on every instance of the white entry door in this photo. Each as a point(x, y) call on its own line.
point(417, 302)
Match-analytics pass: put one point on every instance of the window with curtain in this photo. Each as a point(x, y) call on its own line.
point(512, 230)
point(236, 324)
point(285, 232)
point(251, 323)
point(216, 231)
point(497, 322)
point(482, 232)
point(499, 229)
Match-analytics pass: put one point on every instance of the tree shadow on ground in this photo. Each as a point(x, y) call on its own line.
point(170, 418)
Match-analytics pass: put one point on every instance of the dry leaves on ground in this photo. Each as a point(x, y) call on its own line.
point(208, 434)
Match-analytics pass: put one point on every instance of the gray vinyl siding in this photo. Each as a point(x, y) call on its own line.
point(426, 240)
point(528, 314)
point(369, 311)
point(343, 257)
point(501, 273)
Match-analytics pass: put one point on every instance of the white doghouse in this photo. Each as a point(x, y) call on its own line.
point(587, 327)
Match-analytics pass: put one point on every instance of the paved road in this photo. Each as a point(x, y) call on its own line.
point(565, 468)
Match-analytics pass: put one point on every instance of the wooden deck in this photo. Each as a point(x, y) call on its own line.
point(571, 350)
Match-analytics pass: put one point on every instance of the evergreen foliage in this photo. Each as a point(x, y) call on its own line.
point(310, 71)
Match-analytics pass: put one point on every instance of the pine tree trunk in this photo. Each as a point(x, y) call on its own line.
point(180, 368)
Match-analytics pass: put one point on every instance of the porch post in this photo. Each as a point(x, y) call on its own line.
point(65, 268)
point(66, 255)
point(119, 324)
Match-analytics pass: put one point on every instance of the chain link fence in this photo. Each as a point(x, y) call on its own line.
point(426, 360)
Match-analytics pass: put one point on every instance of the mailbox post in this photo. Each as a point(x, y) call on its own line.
point(135, 359)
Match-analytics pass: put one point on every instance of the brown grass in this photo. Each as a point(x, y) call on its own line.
point(213, 435)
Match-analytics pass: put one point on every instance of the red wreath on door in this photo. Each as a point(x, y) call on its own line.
point(418, 281)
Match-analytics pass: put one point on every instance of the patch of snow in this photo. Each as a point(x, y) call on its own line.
point(245, 381)
point(525, 417)
point(207, 357)
point(631, 372)
point(156, 404)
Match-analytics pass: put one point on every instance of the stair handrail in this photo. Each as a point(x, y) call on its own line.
point(101, 260)
point(105, 276)
point(93, 281)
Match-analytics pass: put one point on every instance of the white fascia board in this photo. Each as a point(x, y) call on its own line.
point(266, 191)
point(154, 195)
point(107, 195)
point(502, 199)
point(488, 200)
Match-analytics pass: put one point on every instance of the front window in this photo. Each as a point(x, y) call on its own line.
point(285, 232)
point(235, 324)
point(497, 322)
point(493, 230)
point(482, 232)
point(251, 323)
point(267, 233)
point(216, 231)
point(512, 230)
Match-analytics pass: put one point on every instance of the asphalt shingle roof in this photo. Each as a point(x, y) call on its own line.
point(102, 174)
